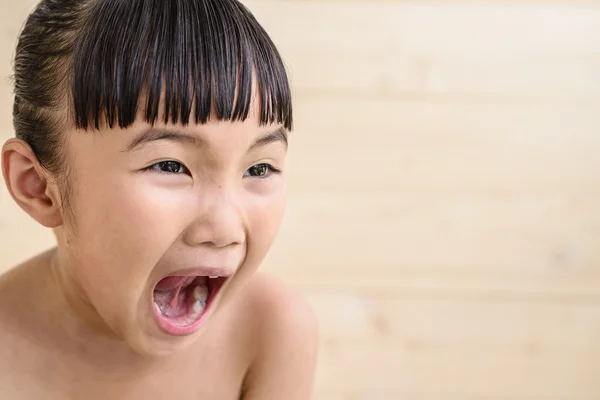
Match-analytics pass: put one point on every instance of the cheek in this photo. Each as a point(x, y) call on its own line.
point(123, 229)
point(265, 219)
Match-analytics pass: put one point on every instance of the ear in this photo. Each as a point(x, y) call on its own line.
point(28, 184)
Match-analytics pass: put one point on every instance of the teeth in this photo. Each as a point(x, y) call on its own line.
point(197, 310)
point(213, 277)
point(200, 294)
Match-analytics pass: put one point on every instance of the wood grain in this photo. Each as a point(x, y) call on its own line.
point(444, 185)
point(491, 348)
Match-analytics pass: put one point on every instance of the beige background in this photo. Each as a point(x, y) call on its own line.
point(445, 193)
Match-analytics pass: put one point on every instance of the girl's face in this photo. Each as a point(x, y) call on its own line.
point(168, 201)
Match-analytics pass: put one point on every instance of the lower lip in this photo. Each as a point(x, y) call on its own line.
point(176, 330)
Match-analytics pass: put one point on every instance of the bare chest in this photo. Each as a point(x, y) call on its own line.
point(29, 374)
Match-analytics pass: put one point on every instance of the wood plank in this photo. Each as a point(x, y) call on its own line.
point(487, 349)
point(549, 54)
point(445, 245)
point(547, 79)
point(547, 235)
point(434, 29)
point(504, 199)
point(348, 393)
point(355, 71)
point(402, 147)
point(397, 76)
point(484, 283)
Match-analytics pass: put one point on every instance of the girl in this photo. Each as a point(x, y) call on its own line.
point(151, 137)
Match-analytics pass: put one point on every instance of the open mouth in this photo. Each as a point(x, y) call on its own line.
point(181, 302)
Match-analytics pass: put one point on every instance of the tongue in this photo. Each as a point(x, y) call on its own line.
point(172, 303)
point(173, 282)
point(174, 295)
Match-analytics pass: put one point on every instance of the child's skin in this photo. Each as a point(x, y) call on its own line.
point(77, 322)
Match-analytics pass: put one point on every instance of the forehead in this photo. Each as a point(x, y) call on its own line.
point(206, 137)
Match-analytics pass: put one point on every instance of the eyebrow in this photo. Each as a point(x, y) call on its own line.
point(280, 135)
point(156, 134)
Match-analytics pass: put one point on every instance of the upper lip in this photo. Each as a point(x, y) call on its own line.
point(203, 271)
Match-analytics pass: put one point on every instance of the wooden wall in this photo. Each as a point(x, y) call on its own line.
point(444, 214)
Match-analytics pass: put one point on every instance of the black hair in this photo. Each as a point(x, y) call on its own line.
point(91, 62)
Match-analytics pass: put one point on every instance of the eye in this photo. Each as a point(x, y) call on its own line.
point(260, 171)
point(169, 167)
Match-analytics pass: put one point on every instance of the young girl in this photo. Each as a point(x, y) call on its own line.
point(151, 137)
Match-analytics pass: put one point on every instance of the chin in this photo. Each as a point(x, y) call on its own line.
point(159, 347)
point(147, 340)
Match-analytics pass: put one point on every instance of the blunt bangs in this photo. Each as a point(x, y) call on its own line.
point(200, 59)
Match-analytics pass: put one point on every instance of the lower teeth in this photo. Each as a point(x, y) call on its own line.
point(201, 293)
point(200, 296)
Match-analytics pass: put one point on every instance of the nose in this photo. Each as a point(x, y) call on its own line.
point(219, 221)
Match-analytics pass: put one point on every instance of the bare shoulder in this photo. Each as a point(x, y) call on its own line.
point(285, 331)
point(280, 312)
point(279, 308)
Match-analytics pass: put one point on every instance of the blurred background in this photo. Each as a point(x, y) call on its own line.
point(444, 180)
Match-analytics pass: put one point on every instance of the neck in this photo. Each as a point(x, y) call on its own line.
point(71, 299)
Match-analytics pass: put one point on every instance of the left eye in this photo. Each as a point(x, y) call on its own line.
point(170, 167)
point(260, 171)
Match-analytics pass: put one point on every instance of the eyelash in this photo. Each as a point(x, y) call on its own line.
point(271, 170)
point(157, 168)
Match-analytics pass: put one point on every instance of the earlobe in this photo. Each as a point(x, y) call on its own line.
point(27, 183)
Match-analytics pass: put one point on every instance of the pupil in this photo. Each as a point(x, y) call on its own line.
point(172, 167)
point(260, 170)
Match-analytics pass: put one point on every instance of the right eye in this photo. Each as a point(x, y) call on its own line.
point(169, 167)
